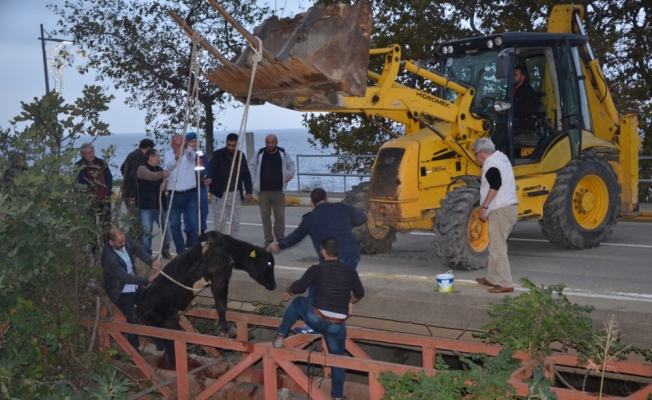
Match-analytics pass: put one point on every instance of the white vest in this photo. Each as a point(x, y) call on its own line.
point(507, 193)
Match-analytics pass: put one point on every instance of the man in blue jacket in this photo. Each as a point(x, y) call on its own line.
point(122, 283)
point(327, 220)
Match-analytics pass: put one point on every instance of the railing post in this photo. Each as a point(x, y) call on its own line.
point(298, 176)
point(269, 378)
point(183, 388)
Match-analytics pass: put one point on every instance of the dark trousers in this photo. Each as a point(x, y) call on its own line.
point(127, 304)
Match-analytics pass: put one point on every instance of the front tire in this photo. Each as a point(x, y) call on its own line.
point(582, 207)
point(371, 239)
point(461, 238)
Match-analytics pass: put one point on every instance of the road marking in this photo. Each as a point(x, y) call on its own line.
point(639, 297)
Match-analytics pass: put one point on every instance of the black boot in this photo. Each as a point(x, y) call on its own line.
point(188, 240)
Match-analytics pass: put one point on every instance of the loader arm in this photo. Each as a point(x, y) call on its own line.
point(306, 68)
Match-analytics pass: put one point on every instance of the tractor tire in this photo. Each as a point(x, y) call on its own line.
point(379, 242)
point(582, 207)
point(461, 239)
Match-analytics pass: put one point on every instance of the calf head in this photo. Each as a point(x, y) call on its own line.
point(258, 263)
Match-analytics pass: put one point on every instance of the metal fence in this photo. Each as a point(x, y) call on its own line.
point(299, 174)
point(345, 175)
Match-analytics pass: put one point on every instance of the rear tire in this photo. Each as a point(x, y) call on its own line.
point(582, 207)
point(381, 240)
point(461, 239)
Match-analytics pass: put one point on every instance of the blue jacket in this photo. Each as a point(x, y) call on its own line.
point(219, 169)
point(108, 177)
point(329, 220)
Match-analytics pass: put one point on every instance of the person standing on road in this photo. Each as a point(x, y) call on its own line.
point(151, 201)
point(326, 220)
point(218, 178)
point(499, 205)
point(272, 168)
point(184, 184)
point(122, 283)
point(129, 168)
point(202, 164)
point(336, 286)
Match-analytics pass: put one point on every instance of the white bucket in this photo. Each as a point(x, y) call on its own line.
point(445, 282)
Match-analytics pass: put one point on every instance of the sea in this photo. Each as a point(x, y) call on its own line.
point(308, 159)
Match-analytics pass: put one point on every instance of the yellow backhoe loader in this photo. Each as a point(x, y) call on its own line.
point(576, 164)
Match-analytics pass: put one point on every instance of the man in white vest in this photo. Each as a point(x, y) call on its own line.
point(499, 205)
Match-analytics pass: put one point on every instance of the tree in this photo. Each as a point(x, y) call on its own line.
point(620, 33)
point(138, 46)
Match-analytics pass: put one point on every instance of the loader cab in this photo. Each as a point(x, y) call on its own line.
point(525, 121)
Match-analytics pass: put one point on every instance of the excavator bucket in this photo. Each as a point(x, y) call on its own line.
point(316, 54)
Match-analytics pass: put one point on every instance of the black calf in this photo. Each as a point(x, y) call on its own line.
point(210, 261)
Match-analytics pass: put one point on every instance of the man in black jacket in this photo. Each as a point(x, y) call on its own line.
point(152, 202)
point(525, 102)
point(218, 178)
point(326, 220)
point(122, 283)
point(129, 168)
point(336, 285)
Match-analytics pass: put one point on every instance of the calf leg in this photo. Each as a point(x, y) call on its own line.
point(220, 289)
point(170, 359)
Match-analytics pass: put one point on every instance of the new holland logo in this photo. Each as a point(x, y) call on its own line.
point(433, 99)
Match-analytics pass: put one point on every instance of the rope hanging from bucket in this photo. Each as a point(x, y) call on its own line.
point(191, 93)
point(256, 58)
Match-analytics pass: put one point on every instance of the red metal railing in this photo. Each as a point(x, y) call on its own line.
point(293, 352)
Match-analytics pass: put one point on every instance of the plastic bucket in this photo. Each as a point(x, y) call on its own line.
point(445, 282)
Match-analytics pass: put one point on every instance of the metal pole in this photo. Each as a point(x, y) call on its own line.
point(249, 137)
point(298, 175)
point(45, 63)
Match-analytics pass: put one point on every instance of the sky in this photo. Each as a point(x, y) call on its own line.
point(22, 76)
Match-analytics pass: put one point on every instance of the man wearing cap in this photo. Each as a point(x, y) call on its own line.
point(182, 190)
point(201, 165)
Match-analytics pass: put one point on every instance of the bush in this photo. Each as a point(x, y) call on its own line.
point(48, 272)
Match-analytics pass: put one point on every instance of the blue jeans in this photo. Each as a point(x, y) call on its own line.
point(351, 262)
point(147, 220)
point(334, 335)
point(203, 207)
point(183, 203)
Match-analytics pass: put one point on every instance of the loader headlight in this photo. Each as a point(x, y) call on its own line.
point(450, 49)
point(490, 43)
point(498, 41)
point(444, 50)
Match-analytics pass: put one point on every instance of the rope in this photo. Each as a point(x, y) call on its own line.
point(193, 90)
point(257, 57)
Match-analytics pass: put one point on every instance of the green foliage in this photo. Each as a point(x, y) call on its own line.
point(533, 321)
point(139, 47)
point(45, 234)
point(540, 385)
point(110, 385)
point(484, 377)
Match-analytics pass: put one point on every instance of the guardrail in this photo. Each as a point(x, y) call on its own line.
point(294, 353)
point(299, 174)
point(345, 175)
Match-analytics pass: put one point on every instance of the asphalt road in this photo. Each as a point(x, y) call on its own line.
point(621, 267)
